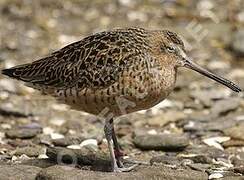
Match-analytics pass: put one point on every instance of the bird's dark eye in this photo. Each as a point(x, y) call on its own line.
point(170, 49)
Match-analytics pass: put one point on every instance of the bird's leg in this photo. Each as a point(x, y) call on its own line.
point(108, 130)
point(117, 150)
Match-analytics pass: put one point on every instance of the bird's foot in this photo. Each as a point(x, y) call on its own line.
point(124, 169)
point(119, 157)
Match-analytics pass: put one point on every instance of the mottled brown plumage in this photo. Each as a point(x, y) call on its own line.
point(102, 71)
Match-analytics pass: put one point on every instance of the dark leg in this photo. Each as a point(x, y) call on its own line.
point(108, 130)
point(117, 149)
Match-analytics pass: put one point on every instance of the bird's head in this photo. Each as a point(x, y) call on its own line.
point(171, 48)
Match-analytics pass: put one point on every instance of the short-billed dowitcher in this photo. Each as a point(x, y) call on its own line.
point(117, 72)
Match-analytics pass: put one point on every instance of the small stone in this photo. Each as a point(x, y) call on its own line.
point(199, 166)
point(203, 97)
point(197, 158)
point(48, 130)
point(89, 142)
point(22, 133)
point(233, 142)
point(160, 142)
point(68, 140)
point(42, 156)
point(215, 176)
point(8, 109)
point(57, 121)
point(238, 42)
point(29, 151)
point(74, 146)
point(215, 141)
point(236, 132)
point(56, 136)
point(224, 106)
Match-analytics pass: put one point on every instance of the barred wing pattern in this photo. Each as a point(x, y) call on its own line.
point(96, 61)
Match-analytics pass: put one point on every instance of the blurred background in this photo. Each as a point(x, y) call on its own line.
point(199, 119)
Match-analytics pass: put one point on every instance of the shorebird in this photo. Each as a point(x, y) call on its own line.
point(118, 72)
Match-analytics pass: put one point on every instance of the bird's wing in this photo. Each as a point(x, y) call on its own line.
point(95, 61)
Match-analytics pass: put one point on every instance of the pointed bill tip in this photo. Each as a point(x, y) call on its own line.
point(190, 64)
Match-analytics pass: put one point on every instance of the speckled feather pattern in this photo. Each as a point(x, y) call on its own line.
point(91, 74)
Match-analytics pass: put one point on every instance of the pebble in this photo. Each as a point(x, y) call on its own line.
point(86, 142)
point(215, 141)
point(29, 151)
point(74, 146)
point(8, 109)
point(236, 132)
point(215, 176)
point(233, 142)
point(48, 130)
point(68, 140)
point(57, 121)
point(238, 42)
point(160, 142)
point(208, 123)
point(56, 136)
point(199, 166)
point(22, 133)
point(224, 106)
point(197, 158)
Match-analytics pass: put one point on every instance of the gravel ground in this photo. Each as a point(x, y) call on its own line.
point(197, 133)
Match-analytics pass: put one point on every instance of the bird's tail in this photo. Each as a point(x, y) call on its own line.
point(17, 72)
point(26, 73)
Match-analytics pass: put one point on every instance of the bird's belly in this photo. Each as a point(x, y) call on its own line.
point(117, 103)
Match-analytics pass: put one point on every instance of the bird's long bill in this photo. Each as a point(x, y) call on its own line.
point(190, 64)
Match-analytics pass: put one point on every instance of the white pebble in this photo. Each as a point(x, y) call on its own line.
point(57, 121)
point(60, 107)
point(215, 176)
point(152, 132)
point(89, 142)
point(240, 118)
point(6, 126)
point(215, 141)
point(56, 136)
point(74, 146)
point(42, 156)
point(48, 130)
point(14, 158)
